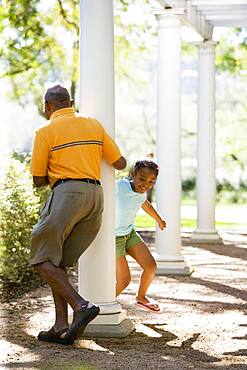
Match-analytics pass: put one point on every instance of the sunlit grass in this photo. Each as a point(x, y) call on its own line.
point(145, 222)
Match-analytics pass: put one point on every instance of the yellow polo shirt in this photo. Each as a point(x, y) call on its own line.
point(71, 146)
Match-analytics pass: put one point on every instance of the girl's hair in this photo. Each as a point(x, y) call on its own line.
point(145, 163)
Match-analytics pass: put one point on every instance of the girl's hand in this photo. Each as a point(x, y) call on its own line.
point(162, 224)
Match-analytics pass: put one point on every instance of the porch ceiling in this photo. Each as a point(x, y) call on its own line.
point(206, 14)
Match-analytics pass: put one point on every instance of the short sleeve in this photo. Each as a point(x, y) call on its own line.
point(110, 150)
point(40, 156)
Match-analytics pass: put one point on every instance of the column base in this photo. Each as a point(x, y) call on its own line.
point(110, 308)
point(173, 268)
point(100, 329)
point(206, 236)
point(109, 324)
point(109, 319)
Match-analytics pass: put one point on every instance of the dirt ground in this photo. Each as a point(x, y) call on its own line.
point(202, 325)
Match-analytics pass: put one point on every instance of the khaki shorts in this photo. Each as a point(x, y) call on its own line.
point(123, 243)
point(69, 222)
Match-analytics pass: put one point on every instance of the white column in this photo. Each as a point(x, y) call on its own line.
point(168, 189)
point(205, 183)
point(97, 264)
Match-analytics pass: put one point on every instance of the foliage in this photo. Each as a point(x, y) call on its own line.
point(228, 193)
point(135, 37)
point(19, 208)
point(42, 192)
point(188, 184)
point(39, 43)
point(32, 45)
point(34, 35)
point(22, 157)
point(231, 120)
point(231, 55)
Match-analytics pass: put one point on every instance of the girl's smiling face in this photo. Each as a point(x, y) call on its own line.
point(143, 180)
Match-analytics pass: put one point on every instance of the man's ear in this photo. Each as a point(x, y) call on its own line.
point(48, 110)
point(48, 106)
point(71, 102)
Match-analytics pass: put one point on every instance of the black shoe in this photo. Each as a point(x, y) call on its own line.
point(52, 336)
point(81, 319)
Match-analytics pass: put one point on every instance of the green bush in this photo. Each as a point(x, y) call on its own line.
point(19, 207)
point(226, 192)
point(188, 184)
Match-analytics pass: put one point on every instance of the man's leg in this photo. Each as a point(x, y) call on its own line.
point(61, 310)
point(60, 227)
point(58, 281)
point(84, 312)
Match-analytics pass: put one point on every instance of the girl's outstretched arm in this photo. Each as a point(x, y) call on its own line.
point(149, 209)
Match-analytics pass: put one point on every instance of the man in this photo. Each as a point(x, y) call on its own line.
point(66, 155)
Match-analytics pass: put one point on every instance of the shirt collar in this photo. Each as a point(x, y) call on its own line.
point(61, 112)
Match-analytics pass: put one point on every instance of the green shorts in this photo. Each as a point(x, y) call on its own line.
point(123, 243)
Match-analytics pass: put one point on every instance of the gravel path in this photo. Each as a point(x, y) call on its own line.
point(203, 323)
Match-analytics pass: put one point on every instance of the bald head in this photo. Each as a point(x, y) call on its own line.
point(56, 97)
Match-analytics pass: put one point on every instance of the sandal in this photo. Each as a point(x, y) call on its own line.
point(150, 306)
point(81, 319)
point(52, 336)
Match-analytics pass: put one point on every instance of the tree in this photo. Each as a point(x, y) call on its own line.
point(39, 42)
point(19, 208)
point(231, 55)
point(31, 48)
point(33, 38)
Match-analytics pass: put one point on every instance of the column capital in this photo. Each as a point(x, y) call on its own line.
point(170, 18)
point(206, 46)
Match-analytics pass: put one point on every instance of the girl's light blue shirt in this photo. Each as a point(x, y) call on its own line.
point(128, 202)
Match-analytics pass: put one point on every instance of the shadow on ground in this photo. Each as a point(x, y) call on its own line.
point(203, 323)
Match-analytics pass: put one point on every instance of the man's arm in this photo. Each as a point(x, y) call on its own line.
point(40, 181)
point(39, 161)
point(120, 164)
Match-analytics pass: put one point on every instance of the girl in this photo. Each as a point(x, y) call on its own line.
point(130, 196)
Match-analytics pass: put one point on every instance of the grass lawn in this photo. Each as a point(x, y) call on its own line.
point(145, 222)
